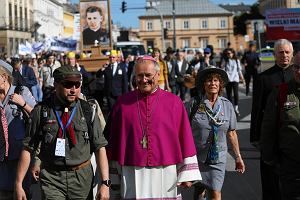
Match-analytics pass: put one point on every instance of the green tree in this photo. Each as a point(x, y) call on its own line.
point(240, 21)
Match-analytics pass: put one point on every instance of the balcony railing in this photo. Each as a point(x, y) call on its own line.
point(17, 23)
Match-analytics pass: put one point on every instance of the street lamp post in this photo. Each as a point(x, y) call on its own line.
point(174, 25)
point(162, 26)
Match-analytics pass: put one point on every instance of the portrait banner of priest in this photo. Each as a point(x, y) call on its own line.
point(94, 23)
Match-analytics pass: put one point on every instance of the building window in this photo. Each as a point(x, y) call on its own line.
point(26, 20)
point(150, 44)
point(223, 23)
point(185, 43)
point(167, 24)
point(16, 45)
point(50, 13)
point(21, 18)
point(204, 24)
point(10, 16)
point(203, 42)
point(16, 17)
point(186, 24)
point(149, 26)
point(11, 46)
point(222, 43)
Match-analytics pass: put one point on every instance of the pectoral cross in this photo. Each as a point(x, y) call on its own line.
point(144, 142)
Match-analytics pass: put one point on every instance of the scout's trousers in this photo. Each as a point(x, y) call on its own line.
point(64, 185)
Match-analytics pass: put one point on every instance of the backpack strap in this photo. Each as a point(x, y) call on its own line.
point(89, 116)
point(194, 108)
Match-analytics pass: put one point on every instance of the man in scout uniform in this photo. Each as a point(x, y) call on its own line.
point(66, 139)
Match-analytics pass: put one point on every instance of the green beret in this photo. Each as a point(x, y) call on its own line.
point(67, 73)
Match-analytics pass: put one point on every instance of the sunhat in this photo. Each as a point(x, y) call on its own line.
point(201, 76)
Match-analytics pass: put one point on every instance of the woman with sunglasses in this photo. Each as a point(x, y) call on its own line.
point(232, 66)
point(14, 109)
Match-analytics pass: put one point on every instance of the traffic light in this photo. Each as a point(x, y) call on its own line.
point(124, 6)
point(165, 33)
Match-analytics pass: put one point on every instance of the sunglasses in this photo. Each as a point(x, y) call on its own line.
point(70, 84)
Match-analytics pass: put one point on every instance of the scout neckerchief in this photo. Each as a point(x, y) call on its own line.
point(65, 123)
point(213, 153)
point(4, 135)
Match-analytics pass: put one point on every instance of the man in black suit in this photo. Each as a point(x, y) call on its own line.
point(281, 72)
point(115, 79)
point(171, 61)
point(23, 74)
point(181, 65)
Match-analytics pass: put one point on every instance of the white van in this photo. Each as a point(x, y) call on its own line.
point(133, 48)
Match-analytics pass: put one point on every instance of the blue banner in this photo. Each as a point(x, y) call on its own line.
point(37, 47)
point(61, 44)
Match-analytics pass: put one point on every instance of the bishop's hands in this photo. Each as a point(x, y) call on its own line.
point(187, 184)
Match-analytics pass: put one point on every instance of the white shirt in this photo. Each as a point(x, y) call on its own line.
point(114, 67)
point(233, 69)
point(179, 63)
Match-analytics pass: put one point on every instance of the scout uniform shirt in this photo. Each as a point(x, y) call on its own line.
point(201, 126)
point(45, 131)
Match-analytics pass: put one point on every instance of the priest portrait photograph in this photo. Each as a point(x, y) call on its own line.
point(94, 23)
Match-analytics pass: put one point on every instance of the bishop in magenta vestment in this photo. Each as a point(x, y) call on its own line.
point(150, 146)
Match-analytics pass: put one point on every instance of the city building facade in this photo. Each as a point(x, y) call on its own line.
point(272, 4)
point(49, 15)
point(198, 23)
point(16, 24)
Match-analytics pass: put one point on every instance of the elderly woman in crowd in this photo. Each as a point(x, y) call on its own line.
point(212, 119)
point(14, 105)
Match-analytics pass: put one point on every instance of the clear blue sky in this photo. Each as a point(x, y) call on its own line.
point(130, 17)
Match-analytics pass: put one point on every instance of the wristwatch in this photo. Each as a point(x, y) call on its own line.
point(106, 182)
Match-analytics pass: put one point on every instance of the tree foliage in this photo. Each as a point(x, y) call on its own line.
point(240, 21)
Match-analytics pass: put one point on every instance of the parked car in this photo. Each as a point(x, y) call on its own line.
point(133, 48)
point(266, 54)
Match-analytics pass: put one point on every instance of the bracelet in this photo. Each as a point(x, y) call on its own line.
point(24, 105)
